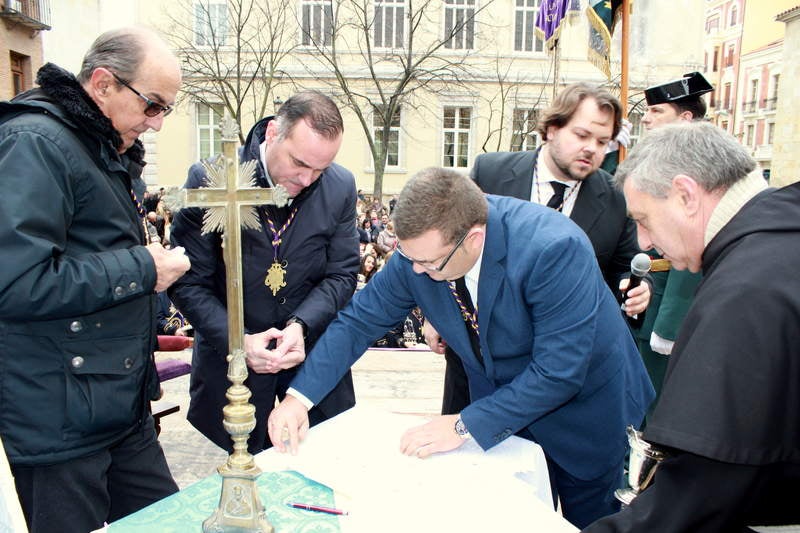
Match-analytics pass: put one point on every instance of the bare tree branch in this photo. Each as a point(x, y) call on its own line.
point(375, 80)
point(232, 56)
point(517, 93)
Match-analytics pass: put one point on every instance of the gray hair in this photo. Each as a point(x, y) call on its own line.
point(317, 109)
point(121, 51)
point(714, 158)
point(439, 199)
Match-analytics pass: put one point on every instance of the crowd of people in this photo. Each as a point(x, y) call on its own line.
point(159, 217)
point(378, 241)
point(518, 274)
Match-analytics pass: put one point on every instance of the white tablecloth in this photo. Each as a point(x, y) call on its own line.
point(467, 490)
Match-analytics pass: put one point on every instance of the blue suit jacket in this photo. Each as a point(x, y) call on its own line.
point(559, 359)
point(599, 210)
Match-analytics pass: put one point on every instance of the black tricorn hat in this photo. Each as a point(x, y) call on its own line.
point(686, 89)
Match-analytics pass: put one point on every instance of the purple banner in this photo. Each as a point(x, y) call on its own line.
point(551, 15)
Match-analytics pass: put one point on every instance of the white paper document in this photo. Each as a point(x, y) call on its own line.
point(358, 455)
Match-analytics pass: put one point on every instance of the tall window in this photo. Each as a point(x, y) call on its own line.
point(459, 24)
point(716, 58)
point(456, 126)
point(18, 78)
point(727, 104)
point(729, 58)
point(317, 21)
point(770, 132)
point(751, 130)
point(393, 139)
point(754, 93)
point(210, 22)
point(390, 19)
point(772, 102)
point(733, 16)
point(209, 138)
point(524, 136)
point(525, 39)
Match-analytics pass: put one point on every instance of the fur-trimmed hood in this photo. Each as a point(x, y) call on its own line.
point(59, 87)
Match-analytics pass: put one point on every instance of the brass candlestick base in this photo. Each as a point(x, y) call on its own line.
point(240, 509)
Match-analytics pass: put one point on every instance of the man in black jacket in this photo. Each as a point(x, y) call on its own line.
point(564, 174)
point(77, 286)
point(312, 243)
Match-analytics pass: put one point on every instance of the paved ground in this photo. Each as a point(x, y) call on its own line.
point(408, 382)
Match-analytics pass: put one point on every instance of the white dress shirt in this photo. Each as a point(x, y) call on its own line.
point(542, 190)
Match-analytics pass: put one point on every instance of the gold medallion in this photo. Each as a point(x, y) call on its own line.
point(276, 278)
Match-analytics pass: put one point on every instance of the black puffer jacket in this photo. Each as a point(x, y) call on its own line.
point(77, 316)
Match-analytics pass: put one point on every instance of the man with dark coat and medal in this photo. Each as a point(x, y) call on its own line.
point(297, 271)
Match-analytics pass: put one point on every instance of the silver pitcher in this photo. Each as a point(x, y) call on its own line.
point(644, 460)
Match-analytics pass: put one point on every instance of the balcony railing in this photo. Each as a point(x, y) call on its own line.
point(34, 14)
point(772, 103)
point(763, 152)
point(749, 107)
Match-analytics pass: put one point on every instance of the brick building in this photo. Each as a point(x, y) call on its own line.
point(21, 43)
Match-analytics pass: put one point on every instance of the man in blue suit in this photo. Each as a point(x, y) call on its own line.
point(563, 174)
point(313, 243)
point(515, 289)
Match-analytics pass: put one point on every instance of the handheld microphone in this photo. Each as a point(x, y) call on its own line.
point(640, 266)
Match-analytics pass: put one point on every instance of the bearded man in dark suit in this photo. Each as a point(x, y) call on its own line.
point(564, 174)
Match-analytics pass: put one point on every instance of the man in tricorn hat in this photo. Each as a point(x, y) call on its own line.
point(677, 101)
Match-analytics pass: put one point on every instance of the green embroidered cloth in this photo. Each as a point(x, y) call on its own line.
point(186, 510)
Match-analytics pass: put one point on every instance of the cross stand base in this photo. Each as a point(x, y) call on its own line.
point(240, 509)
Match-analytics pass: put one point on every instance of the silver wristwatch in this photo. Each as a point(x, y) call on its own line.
point(461, 429)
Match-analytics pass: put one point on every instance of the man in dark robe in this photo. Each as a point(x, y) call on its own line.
point(728, 415)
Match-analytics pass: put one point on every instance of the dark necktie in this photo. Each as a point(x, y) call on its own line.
point(463, 293)
point(557, 199)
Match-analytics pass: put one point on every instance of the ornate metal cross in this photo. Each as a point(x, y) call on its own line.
point(229, 199)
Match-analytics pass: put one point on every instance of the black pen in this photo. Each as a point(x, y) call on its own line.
point(316, 508)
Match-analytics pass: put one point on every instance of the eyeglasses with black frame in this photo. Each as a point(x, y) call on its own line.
point(152, 108)
point(427, 264)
